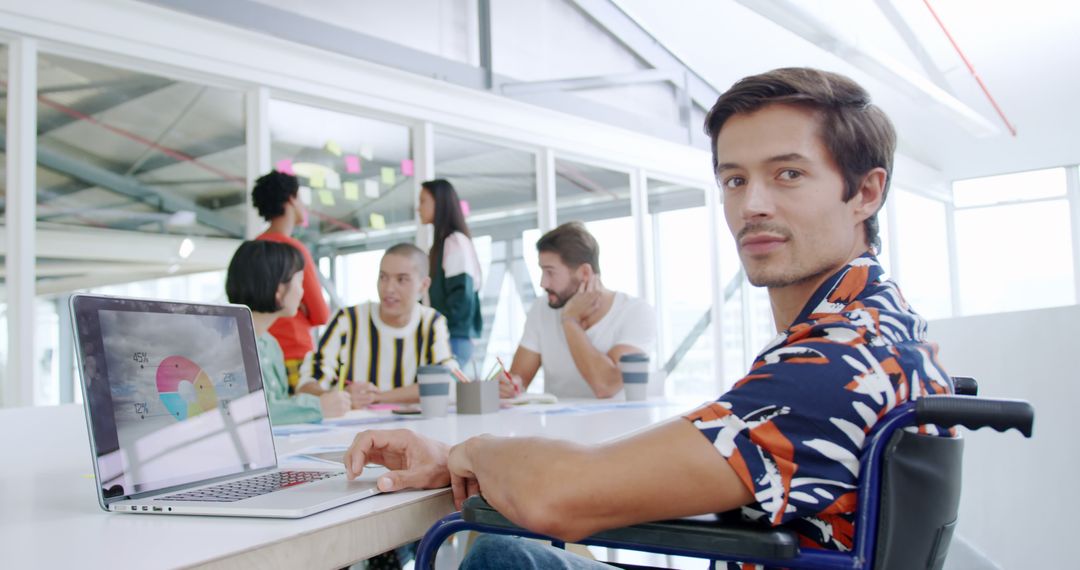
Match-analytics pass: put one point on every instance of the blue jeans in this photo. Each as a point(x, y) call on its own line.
point(498, 551)
point(462, 347)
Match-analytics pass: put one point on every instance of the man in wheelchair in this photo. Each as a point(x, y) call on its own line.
point(804, 162)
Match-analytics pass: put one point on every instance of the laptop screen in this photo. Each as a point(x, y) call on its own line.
point(173, 392)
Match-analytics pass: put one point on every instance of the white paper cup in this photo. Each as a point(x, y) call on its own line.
point(635, 375)
point(434, 381)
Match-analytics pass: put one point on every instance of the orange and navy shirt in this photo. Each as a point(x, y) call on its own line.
point(793, 428)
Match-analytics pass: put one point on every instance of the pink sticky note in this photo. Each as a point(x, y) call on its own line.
point(465, 208)
point(352, 164)
point(285, 166)
point(407, 167)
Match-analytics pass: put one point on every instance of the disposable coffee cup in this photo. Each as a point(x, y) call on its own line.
point(635, 375)
point(434, 381)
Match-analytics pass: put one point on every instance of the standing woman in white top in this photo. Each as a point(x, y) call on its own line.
point(455, 268)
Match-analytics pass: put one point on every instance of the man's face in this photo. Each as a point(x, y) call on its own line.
point(783, 197)
point(400, 285)
point(559, 281)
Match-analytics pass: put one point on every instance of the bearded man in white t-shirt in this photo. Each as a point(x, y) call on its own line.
point(578, 335)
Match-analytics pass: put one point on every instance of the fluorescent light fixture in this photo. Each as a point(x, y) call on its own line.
point(186, 248)
point(804, 23)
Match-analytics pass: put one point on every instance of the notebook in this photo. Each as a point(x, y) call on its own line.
point(177, 415)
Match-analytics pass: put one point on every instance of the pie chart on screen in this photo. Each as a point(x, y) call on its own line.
point(185, 389)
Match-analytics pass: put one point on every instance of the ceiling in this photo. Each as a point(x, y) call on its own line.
point(1025, 52)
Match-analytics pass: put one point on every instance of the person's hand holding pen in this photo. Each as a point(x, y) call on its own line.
point(509, 386)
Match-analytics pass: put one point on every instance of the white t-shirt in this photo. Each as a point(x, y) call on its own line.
point(629, 321)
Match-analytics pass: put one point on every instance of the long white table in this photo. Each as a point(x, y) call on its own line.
point(49, 516)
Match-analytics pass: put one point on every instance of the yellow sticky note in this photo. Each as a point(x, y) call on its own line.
point(378, 222)
point(389, 176)
point(352, 191)
point(326, 197)
point(317, 179)
point(333, 148)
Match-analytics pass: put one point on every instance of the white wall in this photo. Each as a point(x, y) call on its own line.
point(1019, 496)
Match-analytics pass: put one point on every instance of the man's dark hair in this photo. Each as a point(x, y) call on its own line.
point(574, 244)
point(858, 134)
point(449, 217)
point(257, 269)
point(419, 258)
point(272, 191)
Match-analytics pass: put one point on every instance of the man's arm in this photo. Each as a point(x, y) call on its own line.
point(575, 491)
point(404, 395)
point(524, 367)
point(600, 370)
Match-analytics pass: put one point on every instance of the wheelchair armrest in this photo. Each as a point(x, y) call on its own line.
point(965, 386)
point(723, 540)
point(974, 413)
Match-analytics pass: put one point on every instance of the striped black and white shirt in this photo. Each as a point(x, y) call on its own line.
point(358, 346)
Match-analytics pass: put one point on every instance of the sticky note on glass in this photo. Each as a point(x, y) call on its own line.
point(333, 148)
point(352, 191)
point(371, 188)
point(465, 208)
point(326, 197)
point(305, 195)
point(367, 152)
point(407, 167)
point(333, 181)
point(352, 164)
point(317, 179)
point(389, 177)
point(378, 222)
point(284, 166)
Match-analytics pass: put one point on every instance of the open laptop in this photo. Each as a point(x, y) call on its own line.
point(177, 415)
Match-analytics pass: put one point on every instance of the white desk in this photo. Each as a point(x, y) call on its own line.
point(49, 516)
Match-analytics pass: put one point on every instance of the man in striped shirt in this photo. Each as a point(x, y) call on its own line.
point(376, 348)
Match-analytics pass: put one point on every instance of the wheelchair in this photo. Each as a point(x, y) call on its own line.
point(913, 481)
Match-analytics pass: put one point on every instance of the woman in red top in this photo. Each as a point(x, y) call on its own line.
point(276, 197)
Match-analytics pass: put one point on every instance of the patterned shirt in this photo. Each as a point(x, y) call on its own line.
point(358, 346)
point(793, 428)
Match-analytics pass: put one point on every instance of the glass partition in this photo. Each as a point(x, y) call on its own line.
point(497, 187)
point(600, 197)
point(121, 149)
point(356, 173)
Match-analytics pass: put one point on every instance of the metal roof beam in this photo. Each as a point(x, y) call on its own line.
point(130, 187)
point(644, 45)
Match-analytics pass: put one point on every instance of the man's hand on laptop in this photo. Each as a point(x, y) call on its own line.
point(363, 394)
point(335, 403)
point(414, 461)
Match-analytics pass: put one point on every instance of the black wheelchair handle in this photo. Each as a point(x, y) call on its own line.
point(975, 413)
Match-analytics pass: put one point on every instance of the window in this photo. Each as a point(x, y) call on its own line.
point(124, 150)
point(1014, 242)
point(497, 187)
point(601, 198)
point(356, 173)
point(923, 250)
point(683, 283)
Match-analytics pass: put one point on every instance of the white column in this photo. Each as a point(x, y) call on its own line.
point(545, 190)
point(1072, 185)
point(423, 169)
point(954, 259)
point(643, 246)
point(712, 205)
point(257, 106)
point(20, 220)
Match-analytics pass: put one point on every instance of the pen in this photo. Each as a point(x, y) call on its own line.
point(509, 378)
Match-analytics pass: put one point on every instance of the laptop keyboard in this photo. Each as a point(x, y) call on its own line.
point(251, 487)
